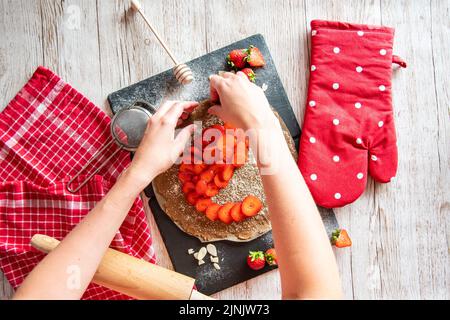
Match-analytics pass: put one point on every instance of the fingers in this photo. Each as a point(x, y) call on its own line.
point(171, 111)
point(172, 115)
point(242, 75)
point(215, 84)
point(228, 75)
point(163, 108)
point(189, 106)
point(183, 138)
point(166, 106)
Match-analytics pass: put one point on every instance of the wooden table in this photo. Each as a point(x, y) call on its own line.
point(400, 231)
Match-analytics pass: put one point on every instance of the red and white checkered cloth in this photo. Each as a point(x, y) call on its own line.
point(47, 133)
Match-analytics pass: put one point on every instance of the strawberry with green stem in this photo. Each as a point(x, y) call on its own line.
point(249, 73)
point(256, 260)
point(237, 59)
point(271, 257)
point(255, 58)
point(340, 238)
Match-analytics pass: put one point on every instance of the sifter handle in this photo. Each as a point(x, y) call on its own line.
point(82, 184)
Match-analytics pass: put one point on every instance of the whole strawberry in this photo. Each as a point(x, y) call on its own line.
point(249, 73)
point(256, 260)
point(237, 59)
point(271, 257)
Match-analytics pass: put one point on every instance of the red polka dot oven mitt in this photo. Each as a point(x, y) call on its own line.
point(349, 129)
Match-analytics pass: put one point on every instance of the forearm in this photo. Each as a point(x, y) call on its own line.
point(306, 261)
point(80, 252)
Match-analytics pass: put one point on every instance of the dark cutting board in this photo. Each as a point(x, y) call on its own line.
point(163, 87)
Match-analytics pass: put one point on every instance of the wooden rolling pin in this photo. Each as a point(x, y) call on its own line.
point(134, 277)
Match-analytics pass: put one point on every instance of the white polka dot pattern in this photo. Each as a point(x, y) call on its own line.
point(349, 130)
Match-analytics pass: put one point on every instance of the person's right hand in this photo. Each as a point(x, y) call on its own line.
point(242, 103)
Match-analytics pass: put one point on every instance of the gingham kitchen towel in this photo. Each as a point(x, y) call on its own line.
point(47, 133)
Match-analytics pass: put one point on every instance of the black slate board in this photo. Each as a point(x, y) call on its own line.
point(163, 87)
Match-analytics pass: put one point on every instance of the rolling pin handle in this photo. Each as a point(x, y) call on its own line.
point(132, 276)
point(44, 243)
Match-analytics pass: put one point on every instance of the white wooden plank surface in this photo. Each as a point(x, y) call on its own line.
point(20, 53)
point(400, 231)
point(358, 265)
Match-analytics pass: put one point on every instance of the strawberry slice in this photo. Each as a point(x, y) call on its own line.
point(251, 206)
point(340, 238)
point(271, 257)
point(236, 213)
point(192, 198)
point(228, 172)
point(184, 177)
point(211, 211)
point(185, 167)
point(224, 213)
point(255, 57)
point(207, 175)
point(203, 204)
point(201, 186)
point(217, 167)
point(219, 182)
point(198, 168)
point(211, 190)
point(249, 73)
point(188, 187)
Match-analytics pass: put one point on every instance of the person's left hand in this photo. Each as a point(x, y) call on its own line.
point(159, 148)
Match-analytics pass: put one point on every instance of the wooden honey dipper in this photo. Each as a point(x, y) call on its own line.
point(181, 71)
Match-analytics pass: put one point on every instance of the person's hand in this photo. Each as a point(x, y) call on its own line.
point(242, 103)
point(159, 148)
